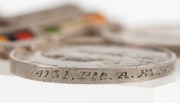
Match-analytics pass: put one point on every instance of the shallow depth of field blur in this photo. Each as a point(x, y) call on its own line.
point(129, 12)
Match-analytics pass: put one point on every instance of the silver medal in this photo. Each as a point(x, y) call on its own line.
point(92, 64)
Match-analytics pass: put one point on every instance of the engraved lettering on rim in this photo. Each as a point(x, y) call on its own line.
point(93, 64)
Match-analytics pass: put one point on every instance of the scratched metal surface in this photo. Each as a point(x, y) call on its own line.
point(93, 64)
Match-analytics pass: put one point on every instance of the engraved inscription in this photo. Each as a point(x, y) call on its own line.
point(145, 73)
point(55, 74)
point(66, 74)
point(123, 75)
point(103, 76)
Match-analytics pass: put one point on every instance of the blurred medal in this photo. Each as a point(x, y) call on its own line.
point(166, 36)
point(59, 29)
point(63, 12)
point(21, 31)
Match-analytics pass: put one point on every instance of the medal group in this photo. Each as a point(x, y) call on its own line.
point(68, 45)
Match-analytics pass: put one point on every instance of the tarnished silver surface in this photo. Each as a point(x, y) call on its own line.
point(92, 63)
point(51, 13)
point(84, 39)
point(167, 36)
